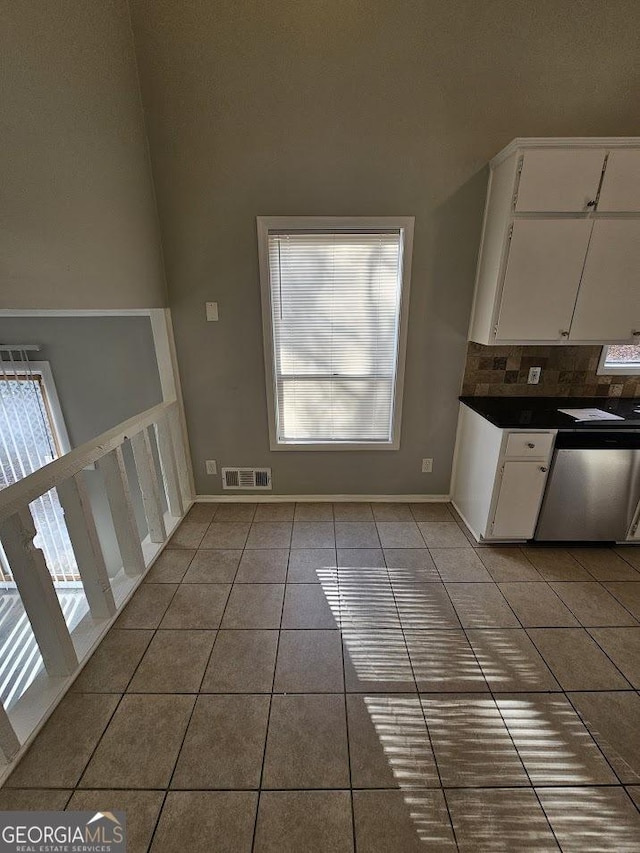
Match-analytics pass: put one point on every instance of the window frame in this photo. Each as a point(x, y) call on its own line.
point(622, 370)
point(265, 224)
point(42, 369)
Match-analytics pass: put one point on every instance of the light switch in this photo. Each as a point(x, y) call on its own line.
point(212, 311)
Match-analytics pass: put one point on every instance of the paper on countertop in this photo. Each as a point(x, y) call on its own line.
point(591, 415)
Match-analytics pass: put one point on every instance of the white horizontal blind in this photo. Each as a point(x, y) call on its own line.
point(335, 304)
point(26, 444)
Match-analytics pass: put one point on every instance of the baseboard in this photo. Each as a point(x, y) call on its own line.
point(466, 523)
point(262, 498)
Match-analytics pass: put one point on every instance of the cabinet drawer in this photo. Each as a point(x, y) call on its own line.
point(536, 445)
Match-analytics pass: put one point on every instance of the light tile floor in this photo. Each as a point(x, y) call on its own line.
point(317, 678)
point(20, 658)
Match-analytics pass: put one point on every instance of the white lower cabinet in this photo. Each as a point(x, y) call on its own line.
point(633, 534)
point(520, 488)
point(499, 477)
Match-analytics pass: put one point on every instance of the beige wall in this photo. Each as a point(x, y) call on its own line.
point(346, 107)
point(78, 224)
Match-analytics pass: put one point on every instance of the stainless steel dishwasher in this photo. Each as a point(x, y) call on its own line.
point(593, 488)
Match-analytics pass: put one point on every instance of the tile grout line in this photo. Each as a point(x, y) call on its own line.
point(555, 693)
point(616, 551)
point(530, 785)
point(562, 691)
point(572, 552)
point(233, 582)
point(344, 697)
point(273, 683)
point(419, 698)
point(567, 695)
point(621, 603)
point(122, 695)
point(154, 631)
point(503, 596)
point(581, 627)
point(575, 616)
point(344, 681)
point(506, 727)
point(605, 652)
point(606, 591)
point(550, 786)
point(195, 701)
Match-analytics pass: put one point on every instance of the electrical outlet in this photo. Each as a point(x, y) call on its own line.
point(427, 466)
point(534, 375)
point(211, 466)
point(212, 311)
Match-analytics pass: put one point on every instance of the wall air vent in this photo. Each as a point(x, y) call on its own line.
point(246, 478)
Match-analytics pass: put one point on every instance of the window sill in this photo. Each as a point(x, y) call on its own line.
point(338, 446)
point(619, 370)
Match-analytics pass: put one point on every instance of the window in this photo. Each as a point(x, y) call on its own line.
point(620, 359)
point(32, 433)
point(335, 307)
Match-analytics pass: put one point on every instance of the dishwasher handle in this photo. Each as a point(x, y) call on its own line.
point(598, 440)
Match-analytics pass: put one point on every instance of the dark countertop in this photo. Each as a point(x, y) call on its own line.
point(542, 412)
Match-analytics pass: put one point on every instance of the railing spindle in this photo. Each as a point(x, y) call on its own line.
point(124, 520)
point(149, 486)
point(169, 467)
point(9, 743)
point(81, 527)
point(38, 595)
point(28, 563)
point(182, 465)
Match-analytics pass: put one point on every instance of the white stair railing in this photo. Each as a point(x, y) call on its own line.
point(27, 562)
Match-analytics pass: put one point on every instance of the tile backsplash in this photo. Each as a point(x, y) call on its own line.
point(567, 371)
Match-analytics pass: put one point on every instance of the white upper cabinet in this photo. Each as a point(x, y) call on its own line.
point(559, 257)
point(557, 180)
point(542, 276)
point(620, 191)
point(608, 304)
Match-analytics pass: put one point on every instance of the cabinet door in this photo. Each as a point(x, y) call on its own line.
point(541, 279)
point(521, 488)
point(634, 531)
point(620, 189)
point(608, 305)
point(556, 180)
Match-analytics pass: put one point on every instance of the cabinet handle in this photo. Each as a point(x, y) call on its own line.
point(564, 333)
point(530, 445)
point(543, 469)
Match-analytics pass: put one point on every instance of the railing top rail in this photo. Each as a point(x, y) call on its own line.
point(20, 494)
